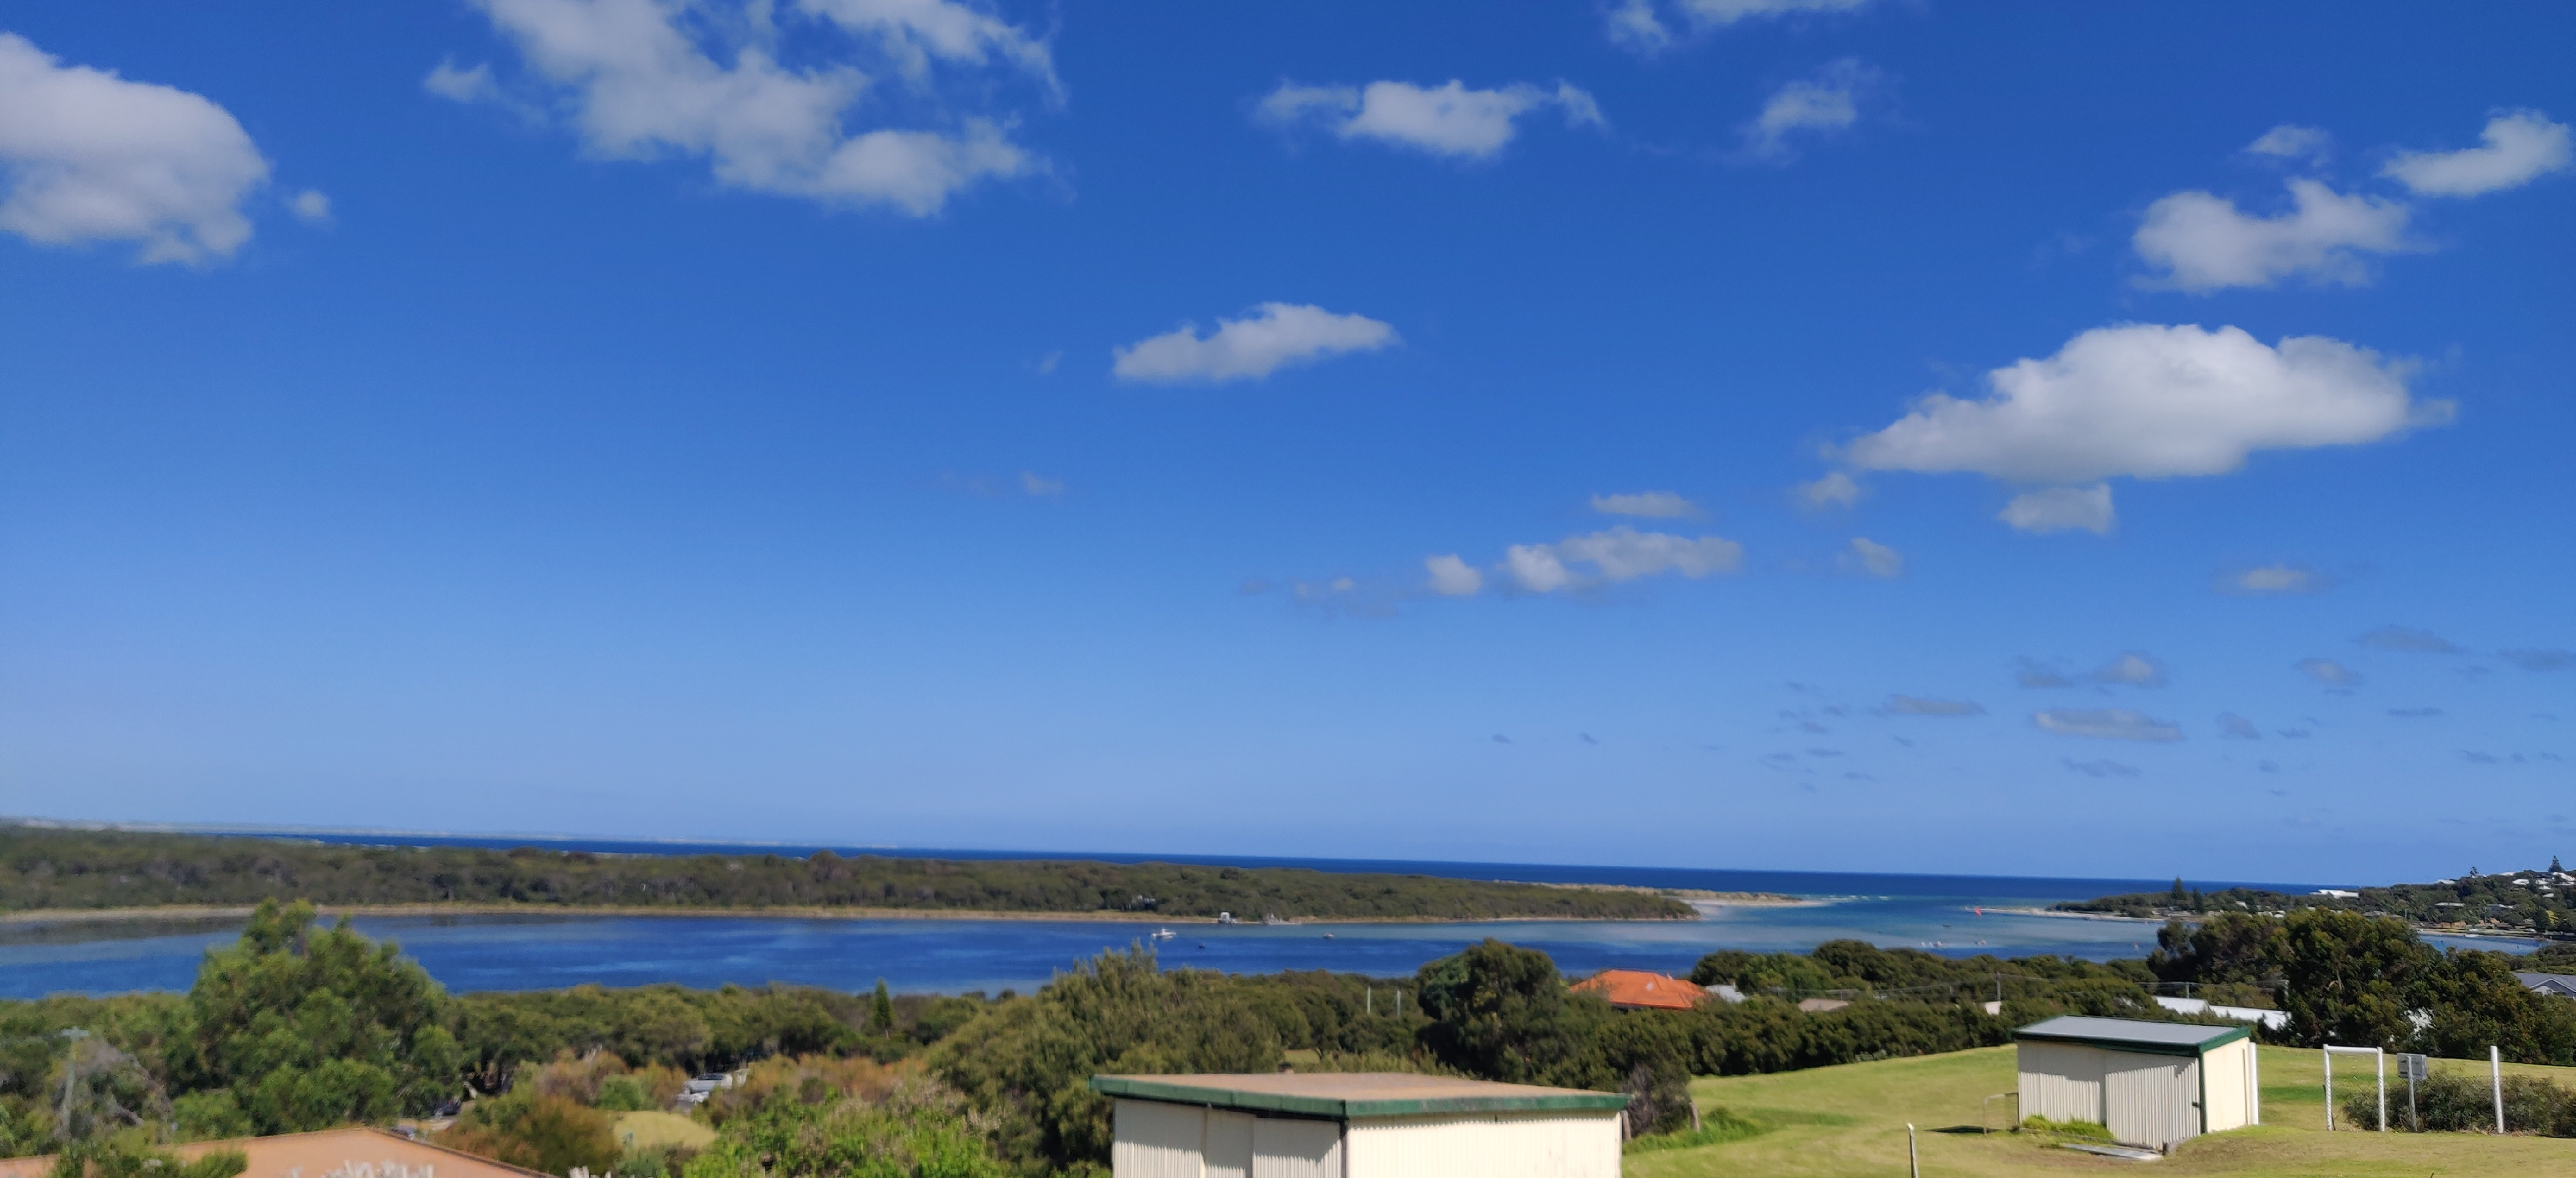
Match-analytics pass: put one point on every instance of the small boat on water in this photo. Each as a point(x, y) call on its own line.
point(1164, 934)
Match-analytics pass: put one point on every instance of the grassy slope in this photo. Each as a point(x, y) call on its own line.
point(1850, 1120)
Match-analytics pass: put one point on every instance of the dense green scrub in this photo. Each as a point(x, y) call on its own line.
point(48, 868)
point(2542, 902)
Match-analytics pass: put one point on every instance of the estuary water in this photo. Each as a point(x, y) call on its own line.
point(1952, 915)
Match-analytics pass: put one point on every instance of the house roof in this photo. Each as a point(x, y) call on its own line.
point(2549, 983)
point(1640, 990)
point(323, 1154)
point(1344, 1096)
point(2125, 1034)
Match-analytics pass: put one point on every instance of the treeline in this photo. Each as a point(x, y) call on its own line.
point(53, 868)
point(2543, 902)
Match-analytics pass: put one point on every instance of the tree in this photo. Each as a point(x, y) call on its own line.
point(881, 1010)
point(920, 1130)
point(314, 1029)
point(549, 1133)
point(1501, 1012)
point(2352, 979)
point(123, 1156)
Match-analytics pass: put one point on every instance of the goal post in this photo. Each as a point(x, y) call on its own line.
point(2379, 1062)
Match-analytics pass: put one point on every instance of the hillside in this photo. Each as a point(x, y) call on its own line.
point(2541, 902)
point(51, 868)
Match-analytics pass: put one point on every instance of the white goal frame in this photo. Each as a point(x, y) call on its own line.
point(2379, 1058)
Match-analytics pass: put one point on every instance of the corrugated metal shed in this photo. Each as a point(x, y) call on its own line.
point(2150, 1084)
point(1357, 1125)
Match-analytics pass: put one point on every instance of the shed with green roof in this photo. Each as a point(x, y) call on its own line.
point(2151, 1084)
point(1358, 1125)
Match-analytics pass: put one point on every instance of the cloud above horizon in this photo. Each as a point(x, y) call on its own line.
point(1270, 337)
point(88, 156)
point(2201, 243)
point(2329, 672)
point(2540, 660)
point(1640, 24)
point(2518, 147)
point(1917, 705)
point(1873, 558)
point(2274, 580)
point(2105, 724)
point(1808, 108)
point(1447, 120)
point(1617, 555)
point(2408, 639)
point(640, 80)
point(2133, 669)
point(1646, 505)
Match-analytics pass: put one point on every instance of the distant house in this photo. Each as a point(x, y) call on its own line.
point(2559, 984)
point(1636, 989)
point(1821, 1005)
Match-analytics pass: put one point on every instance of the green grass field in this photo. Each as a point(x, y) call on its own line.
point(1850, 1120)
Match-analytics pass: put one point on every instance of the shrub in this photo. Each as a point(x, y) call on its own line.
point(2457, 1102)
point(549, 1133)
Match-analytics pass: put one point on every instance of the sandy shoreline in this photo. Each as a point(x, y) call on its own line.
point(203, 912)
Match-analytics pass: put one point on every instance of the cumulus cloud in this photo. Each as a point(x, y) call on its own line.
point(2062, 509)
point(1816, 106)
point(1453, 577)
point(2290, 141)
point(1646, 505)
point(1450, 120)
point(2541, 660)
point(1272, 336)
point(1917, 705)
point(648, 79)
point(2408, 639)
point(2202, 243)
point(2150, 401)
point(1873, 558)
point(2101, 768)
point(1641, 24)
point(2329, 672)
point(310, 206)
point(2520, 146)
point(1619, 554)
point(1836, 489)
point(2274, 580)
point(2105, 724)
point(89, 156)
point(2132, 669)
point(2235, 727)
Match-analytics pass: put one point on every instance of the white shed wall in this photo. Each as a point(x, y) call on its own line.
point(1158, 1140)
point(2150, 1100)
point(2235, 1086)
point(2061, 1081)
point(1491, 1145)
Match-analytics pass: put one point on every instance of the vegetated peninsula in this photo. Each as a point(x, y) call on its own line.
point(2521, 903)
point(53, 869)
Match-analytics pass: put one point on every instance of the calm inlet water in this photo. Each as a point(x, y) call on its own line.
point(1937, 913)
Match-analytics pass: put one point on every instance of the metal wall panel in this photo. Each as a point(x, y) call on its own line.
point(1494, 1145)
point(1228, 1152)
point(2150, 1100)
point(1157, 1140)
point(2061, 1081)
point(1283, 1148)
point(2233, 1087)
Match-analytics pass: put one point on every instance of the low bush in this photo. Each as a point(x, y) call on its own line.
point(2455, 1102)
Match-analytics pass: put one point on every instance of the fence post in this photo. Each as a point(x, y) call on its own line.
point(2495, 1073)
point(1913, 1160)
point(2329, 1057)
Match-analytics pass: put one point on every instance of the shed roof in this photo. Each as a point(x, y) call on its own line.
point(338, 1151)
point(2127, 1034)
point(1637, 988)
point(1343, 1096)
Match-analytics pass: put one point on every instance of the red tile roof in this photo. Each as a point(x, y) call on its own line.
point(1635, 989)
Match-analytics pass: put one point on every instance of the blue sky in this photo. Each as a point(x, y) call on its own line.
point(1837, 434)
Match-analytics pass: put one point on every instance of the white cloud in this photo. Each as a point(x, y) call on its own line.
point(642, 79)
point(1640, 24)
point(1915, 705)
point(2542, 659)
point(2272, 579)
point(1820, 105)
point(2235, 727)
point(2133, 669)
point(1875, 559)
point(1273, 335)
point(1449, 120)
point(310, 206)
point(2291, 141)
point(2202, 243)
point(1836, 489)
point(2329, 672)
point(88, 156)
point(1452, 577)
point(2062, 509)
point(2105, 724)
point(2521, 146)
point(2154, 402)
point(1040, 485)
point(1619, 554)
point(1647, 505)
point(2408, 639)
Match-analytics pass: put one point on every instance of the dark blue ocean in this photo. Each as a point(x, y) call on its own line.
point(1938, 913)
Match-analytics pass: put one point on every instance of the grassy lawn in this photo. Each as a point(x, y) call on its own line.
point(1851, 1121)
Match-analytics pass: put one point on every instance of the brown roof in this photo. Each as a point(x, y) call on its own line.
point(330, 1153)
point(1635, 989)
